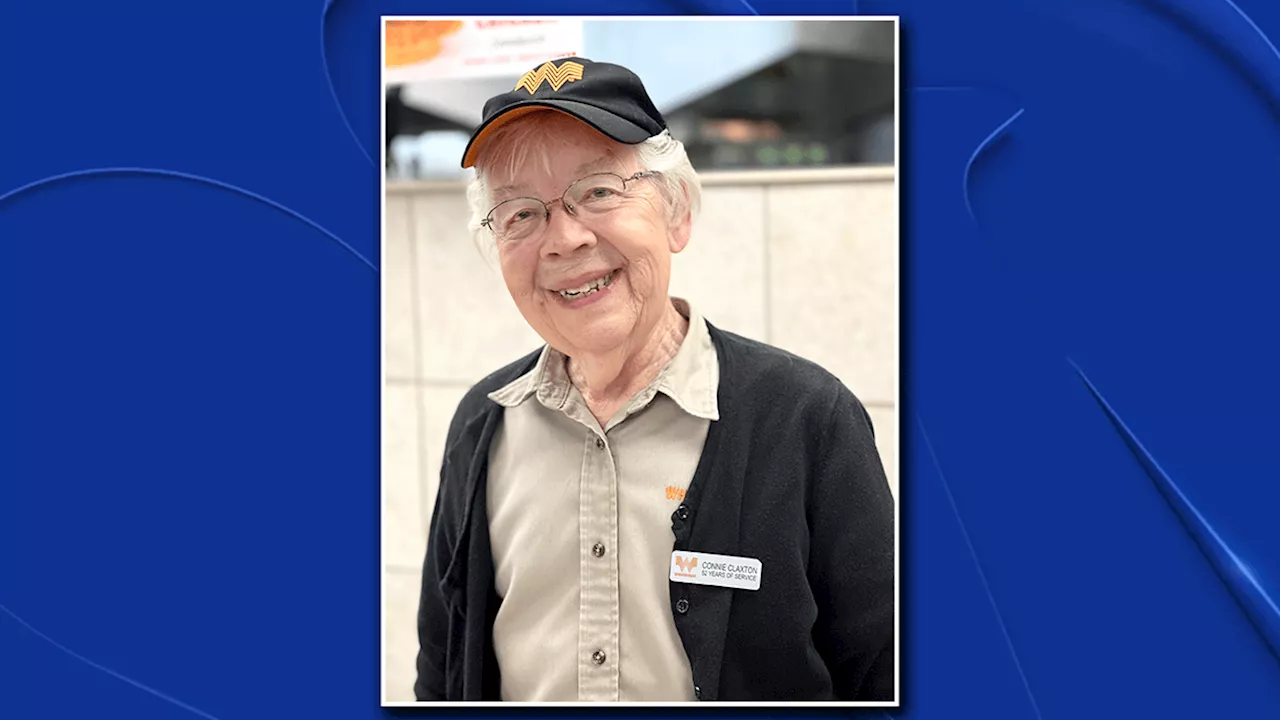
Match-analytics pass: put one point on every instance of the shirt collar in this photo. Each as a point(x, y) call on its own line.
point(691, 379)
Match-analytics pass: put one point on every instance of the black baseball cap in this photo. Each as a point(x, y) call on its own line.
point(609, 98)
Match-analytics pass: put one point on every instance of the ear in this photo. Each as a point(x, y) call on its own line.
point(681, 228)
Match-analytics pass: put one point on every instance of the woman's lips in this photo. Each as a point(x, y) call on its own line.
point(586, 290)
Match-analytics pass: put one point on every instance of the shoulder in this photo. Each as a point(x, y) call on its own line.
point(762, 370)
point(476, 403)
point(771, 381)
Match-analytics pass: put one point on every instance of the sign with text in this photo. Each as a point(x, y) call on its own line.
point(418, 50)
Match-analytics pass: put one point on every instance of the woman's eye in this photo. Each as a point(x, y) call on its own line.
point(599, 193)
point(521, 216)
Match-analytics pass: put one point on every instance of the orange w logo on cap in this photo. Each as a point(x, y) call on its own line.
point(550, 74)
point(686, 564)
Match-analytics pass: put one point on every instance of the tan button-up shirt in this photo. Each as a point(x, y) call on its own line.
point(580, 524)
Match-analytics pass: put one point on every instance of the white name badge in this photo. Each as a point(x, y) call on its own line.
point(696, 568)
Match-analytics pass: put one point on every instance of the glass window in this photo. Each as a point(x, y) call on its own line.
point(807, 110)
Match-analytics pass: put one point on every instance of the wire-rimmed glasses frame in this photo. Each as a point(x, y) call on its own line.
point(522, 218)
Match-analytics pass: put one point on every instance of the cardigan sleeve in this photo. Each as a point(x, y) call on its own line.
point(433, 623)
point(851, 560)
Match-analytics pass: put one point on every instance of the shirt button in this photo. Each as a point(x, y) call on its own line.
point(600, 443)
point(598, 657)
point(598, 549)
point(682, 606)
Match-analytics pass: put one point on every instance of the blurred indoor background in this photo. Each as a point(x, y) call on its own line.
point(792, 128)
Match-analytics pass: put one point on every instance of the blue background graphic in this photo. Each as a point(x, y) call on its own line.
point(189, 344)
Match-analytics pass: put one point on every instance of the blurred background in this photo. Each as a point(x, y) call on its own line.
point(739, 94)
point(791, 125)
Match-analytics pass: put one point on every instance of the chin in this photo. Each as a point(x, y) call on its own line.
point(600, 336)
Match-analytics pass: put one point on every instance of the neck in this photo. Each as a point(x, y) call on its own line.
point(610, 380)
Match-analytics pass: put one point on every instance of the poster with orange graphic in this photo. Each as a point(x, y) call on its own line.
point(417, 50)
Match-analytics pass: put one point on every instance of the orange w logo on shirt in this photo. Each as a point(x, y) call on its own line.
point(687, 565)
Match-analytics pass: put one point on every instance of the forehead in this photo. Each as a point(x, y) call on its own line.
point(532, 179)
point(550, 165)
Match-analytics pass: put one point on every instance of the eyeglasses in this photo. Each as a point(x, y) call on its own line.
point(521, 219)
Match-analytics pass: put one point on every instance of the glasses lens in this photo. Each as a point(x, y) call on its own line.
point(596, 193)
point(517, 219)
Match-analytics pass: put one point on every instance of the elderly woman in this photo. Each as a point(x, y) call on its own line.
point(648, 508)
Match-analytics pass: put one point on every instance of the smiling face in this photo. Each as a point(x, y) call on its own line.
point(594, 282)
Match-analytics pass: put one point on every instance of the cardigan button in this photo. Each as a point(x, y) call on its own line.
point(697, 692)
point(682, 606)
point(681, 514)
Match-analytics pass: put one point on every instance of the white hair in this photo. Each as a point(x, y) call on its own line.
point(534, 140)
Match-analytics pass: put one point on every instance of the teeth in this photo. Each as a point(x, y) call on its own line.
point(588, 288)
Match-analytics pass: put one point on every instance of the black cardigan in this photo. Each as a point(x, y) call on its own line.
point(789, 475)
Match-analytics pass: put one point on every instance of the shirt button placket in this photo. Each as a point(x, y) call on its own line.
point(598, 640)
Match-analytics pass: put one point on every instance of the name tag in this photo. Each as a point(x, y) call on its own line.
point(741, 573)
